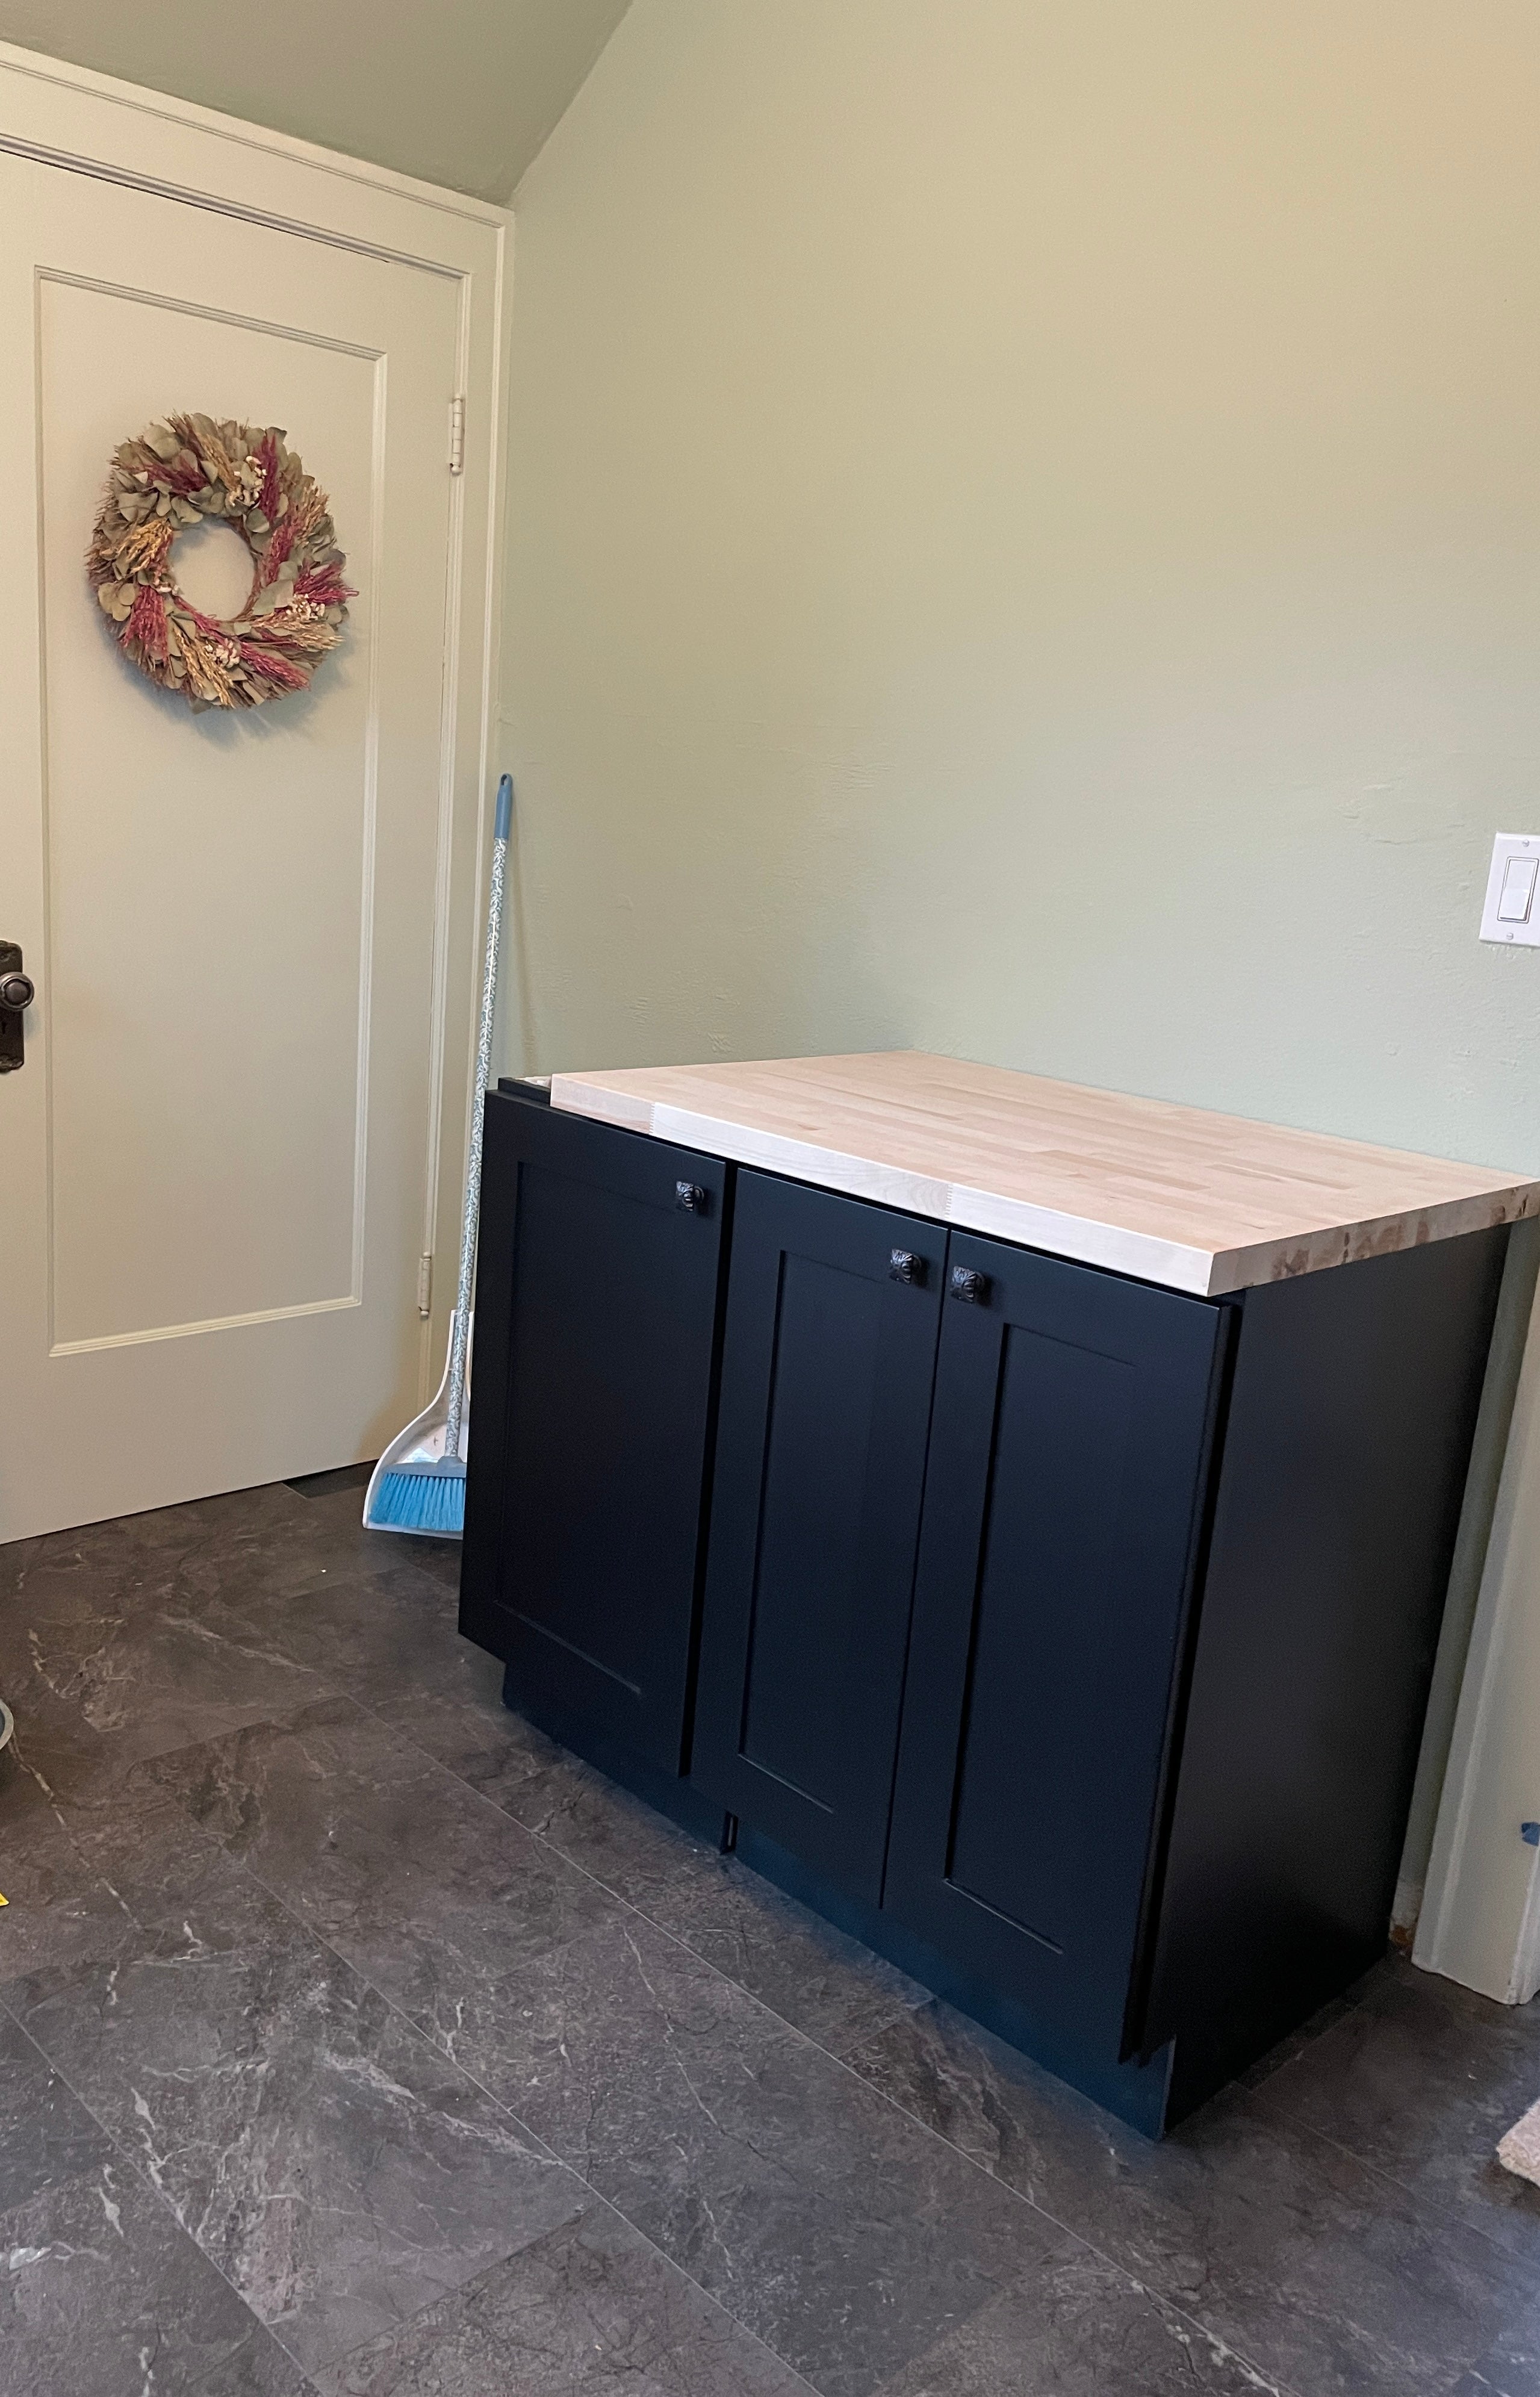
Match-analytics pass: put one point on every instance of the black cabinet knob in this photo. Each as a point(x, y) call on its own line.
point(903, 1265)
point(16, 990)
point(968, 1285)
point(691, 1200)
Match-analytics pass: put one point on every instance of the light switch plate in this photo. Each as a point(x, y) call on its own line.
point(1512, 909)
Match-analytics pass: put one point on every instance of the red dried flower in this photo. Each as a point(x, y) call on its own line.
point(145, 625)
point(272, 668)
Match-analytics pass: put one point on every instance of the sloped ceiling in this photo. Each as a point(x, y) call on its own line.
point(461, 92)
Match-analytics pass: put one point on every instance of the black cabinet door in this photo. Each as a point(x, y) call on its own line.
point(596, 1309)
point(1065, 1491)
point(826, 1372)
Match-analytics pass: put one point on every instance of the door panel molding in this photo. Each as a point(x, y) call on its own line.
point(365, 564)
point(111, 290)
point(83, 125)
point(211, 1323)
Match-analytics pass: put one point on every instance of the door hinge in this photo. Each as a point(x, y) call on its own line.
point(424, 1282)
point(457, 436)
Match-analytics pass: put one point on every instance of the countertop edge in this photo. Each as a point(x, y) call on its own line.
point(1081, 1240)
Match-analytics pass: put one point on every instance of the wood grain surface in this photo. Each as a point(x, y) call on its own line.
point(1179, 1196)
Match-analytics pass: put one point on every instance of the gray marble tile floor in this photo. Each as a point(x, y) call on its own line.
point(357, 2042)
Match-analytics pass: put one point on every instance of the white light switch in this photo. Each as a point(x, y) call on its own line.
point(1510, 913)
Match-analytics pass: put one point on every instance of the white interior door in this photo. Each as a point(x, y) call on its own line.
point(215, 1155)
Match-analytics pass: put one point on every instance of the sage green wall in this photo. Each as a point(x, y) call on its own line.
point(1024, 541)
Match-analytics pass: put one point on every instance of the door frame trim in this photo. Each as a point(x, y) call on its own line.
point(1479, 1923)
point(72, 118)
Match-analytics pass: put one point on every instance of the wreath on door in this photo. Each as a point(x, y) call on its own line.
point(178, 474)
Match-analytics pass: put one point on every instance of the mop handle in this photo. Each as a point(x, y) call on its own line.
point(460, 1340)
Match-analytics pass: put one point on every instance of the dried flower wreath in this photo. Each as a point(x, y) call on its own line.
point(176, 474)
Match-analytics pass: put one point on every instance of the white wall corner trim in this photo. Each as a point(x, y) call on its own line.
point(1480, 1916)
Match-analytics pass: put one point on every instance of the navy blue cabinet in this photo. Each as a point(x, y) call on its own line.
point(1066, 1638)
point(597, 1301)
point(825, 1401)
point(1063, 1507)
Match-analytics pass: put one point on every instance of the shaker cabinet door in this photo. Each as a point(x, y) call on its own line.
point(827, 1364)
point(597, 1307)
point(1064, 1496)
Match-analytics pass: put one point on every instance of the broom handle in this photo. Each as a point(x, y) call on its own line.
point(460, 1339)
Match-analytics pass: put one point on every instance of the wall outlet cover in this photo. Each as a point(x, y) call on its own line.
point(1512, 909)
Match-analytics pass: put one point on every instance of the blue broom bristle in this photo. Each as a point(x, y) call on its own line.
point(421, 1502)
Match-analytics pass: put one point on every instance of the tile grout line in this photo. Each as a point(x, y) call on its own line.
point(262, 1633)
point(794, 2030)
point(545, 2154)
point(1226, 2352)
point(431, 1582)
point(791, 2031)
point(1252, 2095)
point(1221, 2345)
point(131, 2165)
point(1388, 2180)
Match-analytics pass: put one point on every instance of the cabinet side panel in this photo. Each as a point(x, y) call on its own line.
point(1349, 1429)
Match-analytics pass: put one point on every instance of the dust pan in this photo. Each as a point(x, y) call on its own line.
point(419, 1484)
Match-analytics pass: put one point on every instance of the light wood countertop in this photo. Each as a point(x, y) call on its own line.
point(1197, 1202)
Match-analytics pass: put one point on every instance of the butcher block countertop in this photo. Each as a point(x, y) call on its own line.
point(1198, 1202)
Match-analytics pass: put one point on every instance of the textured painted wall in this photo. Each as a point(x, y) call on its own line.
point(1023, 541)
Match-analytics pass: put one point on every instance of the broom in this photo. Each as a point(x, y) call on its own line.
point(419, 1484)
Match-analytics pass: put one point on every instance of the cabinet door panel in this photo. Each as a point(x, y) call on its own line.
point(596, 1304)
point(1064, 1487)
point(826, 1373)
